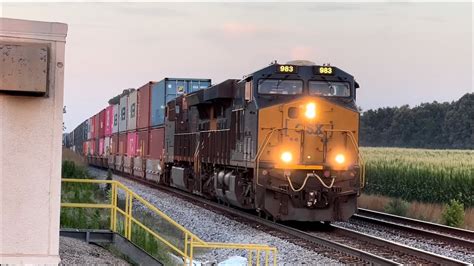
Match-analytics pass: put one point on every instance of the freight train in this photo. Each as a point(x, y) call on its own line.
point(282, 141)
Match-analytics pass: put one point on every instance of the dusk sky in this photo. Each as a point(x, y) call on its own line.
point(400, 53)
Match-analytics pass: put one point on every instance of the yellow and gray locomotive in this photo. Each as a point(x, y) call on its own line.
point(282, 141)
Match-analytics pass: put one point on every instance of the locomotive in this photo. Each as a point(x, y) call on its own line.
point(282, 141)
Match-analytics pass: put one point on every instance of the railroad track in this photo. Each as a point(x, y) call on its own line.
point(344, 245)
point(444, 235)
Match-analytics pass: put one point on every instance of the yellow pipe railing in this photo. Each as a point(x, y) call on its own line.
point(191, 241)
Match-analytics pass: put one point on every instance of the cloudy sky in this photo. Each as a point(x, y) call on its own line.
point(400, 53)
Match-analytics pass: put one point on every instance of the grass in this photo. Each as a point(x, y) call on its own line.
point(432, 212)
point(428, 176)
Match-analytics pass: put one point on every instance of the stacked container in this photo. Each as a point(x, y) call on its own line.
point(114, 136)
point(143, 124)
point(128, 135)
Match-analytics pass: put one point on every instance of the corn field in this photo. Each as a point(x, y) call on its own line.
point(434, 176)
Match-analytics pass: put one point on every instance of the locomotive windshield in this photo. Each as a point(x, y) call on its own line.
point(326, 88)
point(280, 86)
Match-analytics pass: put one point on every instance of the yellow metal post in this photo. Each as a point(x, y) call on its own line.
point(114, 185)
point(186, 244)
point(130, 216)
point(191, 247)
point(127, 195)
point(274, 257)
point(112, 209)
point(250, 257)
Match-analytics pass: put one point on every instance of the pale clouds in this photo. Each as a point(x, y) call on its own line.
point(400, 53)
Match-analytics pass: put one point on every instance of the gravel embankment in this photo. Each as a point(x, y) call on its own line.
point(213, 227)
point(76, 252)
point(458, 253)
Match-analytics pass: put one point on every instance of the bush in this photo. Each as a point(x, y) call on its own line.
point(453, 214)
point(70, 170)
point(398, 207)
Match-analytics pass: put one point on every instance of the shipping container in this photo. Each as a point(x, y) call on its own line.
point(85, 148)
point(167, 90)
point(156, 143)
point(122, 144)
point(131, 144)
point(123, 110)
point(107, 147)
point(109, 120)
point(114, 141)
point(132, 111)
point(92, 147)
point(101, 146)
point(115, 119)
point(142, 146)
point(102, 123)
point(96, 126)
point(80, 135)
point(143, 99)
point(89, 128)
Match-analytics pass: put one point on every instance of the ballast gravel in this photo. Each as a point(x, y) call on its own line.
point(76, 252)
point(213, 227)
point(421, 243)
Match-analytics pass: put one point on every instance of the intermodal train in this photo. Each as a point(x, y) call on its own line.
point(282, 141)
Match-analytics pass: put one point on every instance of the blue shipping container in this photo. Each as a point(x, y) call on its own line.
point(167, 90)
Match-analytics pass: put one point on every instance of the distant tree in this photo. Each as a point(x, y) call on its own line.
point(429, 125)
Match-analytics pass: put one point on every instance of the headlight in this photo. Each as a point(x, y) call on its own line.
point(310, 110)
point(286, 157)
point(340, 158)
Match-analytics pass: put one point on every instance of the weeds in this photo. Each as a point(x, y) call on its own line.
point(398, 207)
point(453, 215)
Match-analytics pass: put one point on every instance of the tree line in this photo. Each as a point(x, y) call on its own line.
point(429, 125)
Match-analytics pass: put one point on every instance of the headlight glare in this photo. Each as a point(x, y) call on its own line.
point(340, 158)
point(310, 110)
point(286, 157)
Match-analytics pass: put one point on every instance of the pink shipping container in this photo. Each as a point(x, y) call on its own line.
point(157, 139)
point(109, 120)
point(101, 147)
point(143, 119)
point(102, 124)
point(122, 144)
point(132, 144)
point(92, 147)
point(143, 141)
point(85, 148)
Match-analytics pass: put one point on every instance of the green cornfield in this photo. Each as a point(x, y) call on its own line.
point(434, 176)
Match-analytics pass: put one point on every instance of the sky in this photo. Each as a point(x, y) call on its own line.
point(400, 53)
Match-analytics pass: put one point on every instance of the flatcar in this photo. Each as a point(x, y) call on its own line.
point(282, 141)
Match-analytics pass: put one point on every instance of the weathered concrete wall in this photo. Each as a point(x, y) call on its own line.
point(30, 152)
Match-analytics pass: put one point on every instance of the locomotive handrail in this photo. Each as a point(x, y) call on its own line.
point(191, 241)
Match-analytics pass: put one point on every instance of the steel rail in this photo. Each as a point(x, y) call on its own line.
point(456, 235)
point(411, 251)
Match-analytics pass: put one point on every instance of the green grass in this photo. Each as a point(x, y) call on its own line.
point(434, 176)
